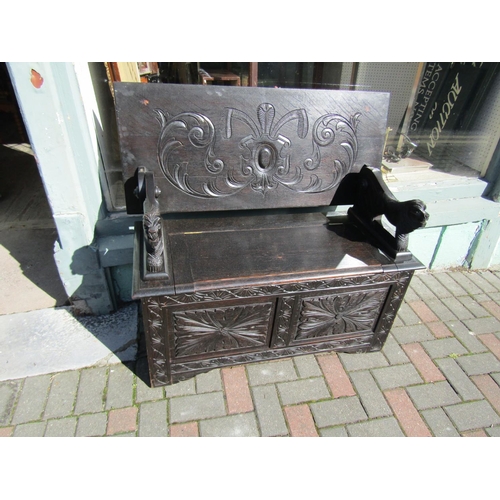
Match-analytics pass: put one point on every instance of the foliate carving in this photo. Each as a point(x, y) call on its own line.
point(357, 344)
point(210, 330)
point(392, 308)
point(265, 159)
point(156, 341)
point(283, 289)
point(283, 321)
point(162, 372)
point(339, 314)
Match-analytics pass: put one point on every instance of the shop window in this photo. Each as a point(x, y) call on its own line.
point(442, 116)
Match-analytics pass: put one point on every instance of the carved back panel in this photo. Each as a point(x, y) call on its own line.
point(232, 148)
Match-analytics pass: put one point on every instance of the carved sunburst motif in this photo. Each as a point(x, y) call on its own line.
point(210, 330)
point(335, 315)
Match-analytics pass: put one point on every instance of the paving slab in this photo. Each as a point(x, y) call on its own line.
point(338, 411)
point(396, 376)
point(33, 429)
point(364, 361)
point(381, 427)
point(62, 395)
point(430, 281)
point(473, 415)
point(62, 427)
point(90, 395)
point(458, 379)
point(479, 364)
point(441, 348)
point(243, 425)
point(271, 372)
point(339, 431)
point(54, 340)
point(209, 382)
point(300, 391)
point(394, 352)
point(413, 333)
point(119, 392)
point(466, 337)
point(371, 396)
point(197, 407)
point(32, 399)
point(432, 395)
point(439, 423)
point(8, 395)
point(307, 366)
point(269, 411)
point(153, 419)
point(483, 325)
point(93, 424)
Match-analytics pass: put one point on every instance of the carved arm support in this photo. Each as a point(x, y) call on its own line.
point(154, 248)
point(371, 199)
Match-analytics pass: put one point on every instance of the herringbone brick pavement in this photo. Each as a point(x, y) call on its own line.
point(437, 375)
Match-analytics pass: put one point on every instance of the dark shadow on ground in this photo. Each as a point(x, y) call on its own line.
point(27, 233)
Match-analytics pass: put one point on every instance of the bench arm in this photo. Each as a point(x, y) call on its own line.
point(154, 247)
point(370, 198)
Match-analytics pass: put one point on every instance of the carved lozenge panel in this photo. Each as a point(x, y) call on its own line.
point(202, 331)
point(332, 315)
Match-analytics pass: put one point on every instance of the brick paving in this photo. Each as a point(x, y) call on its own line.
point(438, 375)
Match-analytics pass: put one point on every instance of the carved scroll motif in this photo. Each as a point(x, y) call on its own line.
point(192, 158)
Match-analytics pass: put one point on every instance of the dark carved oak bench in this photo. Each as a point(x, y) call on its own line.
point(235, 260)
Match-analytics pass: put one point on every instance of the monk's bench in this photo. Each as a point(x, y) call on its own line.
point(236, 260)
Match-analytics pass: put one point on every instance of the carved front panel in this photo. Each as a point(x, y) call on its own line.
point(191, 333)
point(211, 331)
point(341, 314)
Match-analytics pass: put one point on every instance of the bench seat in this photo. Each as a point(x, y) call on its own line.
point(235, 260)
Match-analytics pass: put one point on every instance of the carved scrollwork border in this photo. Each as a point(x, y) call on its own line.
point(391, 310)
point(357, 344)
point(284, 319)
point(283, 288)
point(156, 340)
